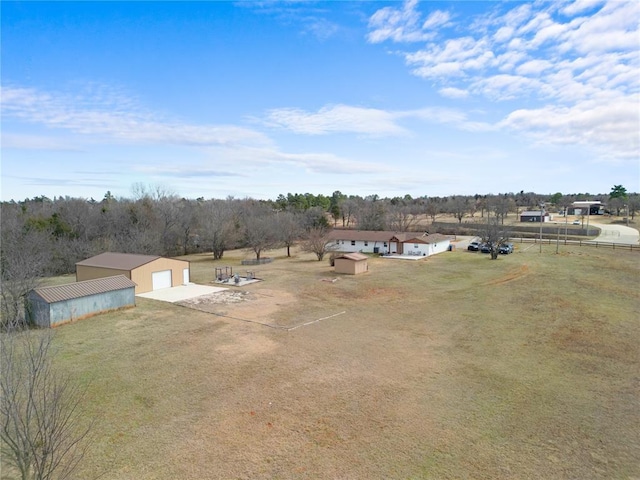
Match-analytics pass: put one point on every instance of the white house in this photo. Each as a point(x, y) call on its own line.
point(387, 242)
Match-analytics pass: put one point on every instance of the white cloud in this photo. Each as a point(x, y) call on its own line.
point(579, 6)
point(517, 16)
point(242, 160)
point(533, 67)
point(320, 28)
point(436, 19)
point(506, 87)
point(115, 118)
point(452, 92)
point(366, 121)
point(559, 58)
point(454, 58)
point(403, 24)
point(336, 119)
point(612, 127)
point(503, 34)
point(36, 142)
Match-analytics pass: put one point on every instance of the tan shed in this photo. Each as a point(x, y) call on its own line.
point(351, 263)
point(149, 272)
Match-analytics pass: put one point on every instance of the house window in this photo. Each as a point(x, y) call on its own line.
point(385, 244)
point(353, 242)
point(366, 244)
point(416, 246)
point(337, 242)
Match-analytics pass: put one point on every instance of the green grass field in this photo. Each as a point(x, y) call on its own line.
point(453, 367)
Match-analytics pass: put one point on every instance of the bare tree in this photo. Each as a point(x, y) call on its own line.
point(187, 222)
point(633, 205)
point(317, 241)
point(289, 229)
point(501, 205)
point(348, 207)
point(432, 209)
point(43, 434)
point(24, 254)
point(495, 234)
point(371, 214)
point(458, 206)
point(221, 226)
point(260, 228)
point(400, 218)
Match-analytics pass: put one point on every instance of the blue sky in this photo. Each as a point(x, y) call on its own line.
point(255, 99)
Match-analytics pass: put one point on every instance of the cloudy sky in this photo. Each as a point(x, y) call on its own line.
point(259, 98)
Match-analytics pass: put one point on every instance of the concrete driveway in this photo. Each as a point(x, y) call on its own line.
point(182, 292)
point(617, 234)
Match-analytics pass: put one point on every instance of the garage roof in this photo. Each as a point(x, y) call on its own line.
point(60, 293)
point(118, 261)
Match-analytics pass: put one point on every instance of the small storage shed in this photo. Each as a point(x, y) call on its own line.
point(351, 263)
point(149, 272)
point(53, 306)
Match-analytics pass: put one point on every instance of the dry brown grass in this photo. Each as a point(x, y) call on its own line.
point(451, 367)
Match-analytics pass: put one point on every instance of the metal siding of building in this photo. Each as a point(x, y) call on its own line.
point(78, 308)
point(39, 311)
point(84, 272)
point(142, 275)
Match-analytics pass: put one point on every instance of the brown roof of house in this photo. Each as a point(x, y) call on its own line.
point(436, 237)
point(118, 261)
point(369, 235)
point(355, 256)
point(385, 236)
point(411, 237)
point(60, 293)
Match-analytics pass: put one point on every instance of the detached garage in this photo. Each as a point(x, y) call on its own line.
point(53, 306)
point(351, 263)
point(149, 272)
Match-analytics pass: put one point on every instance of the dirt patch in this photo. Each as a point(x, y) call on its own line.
point(259, 307)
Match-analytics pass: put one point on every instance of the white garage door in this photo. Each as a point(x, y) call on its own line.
point(161, 279)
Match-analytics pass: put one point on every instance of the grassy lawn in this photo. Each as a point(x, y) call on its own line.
point(451, 367)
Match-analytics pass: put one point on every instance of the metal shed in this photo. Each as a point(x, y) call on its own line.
point(53, 306)
point(351, 263)
point(149, 272)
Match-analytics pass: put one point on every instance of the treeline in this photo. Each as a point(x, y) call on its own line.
point(62, 231)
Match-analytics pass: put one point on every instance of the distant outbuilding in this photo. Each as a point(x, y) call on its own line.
point(149, 272)
point(53, 306)
point(351, 263)
point(535, 216)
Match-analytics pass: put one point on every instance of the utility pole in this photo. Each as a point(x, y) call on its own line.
point(541, 220)
point(566, 211)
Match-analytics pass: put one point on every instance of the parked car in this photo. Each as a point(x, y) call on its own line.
point(485, 248)
point(506, 248)
point(474, 246)
point(576, 222)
